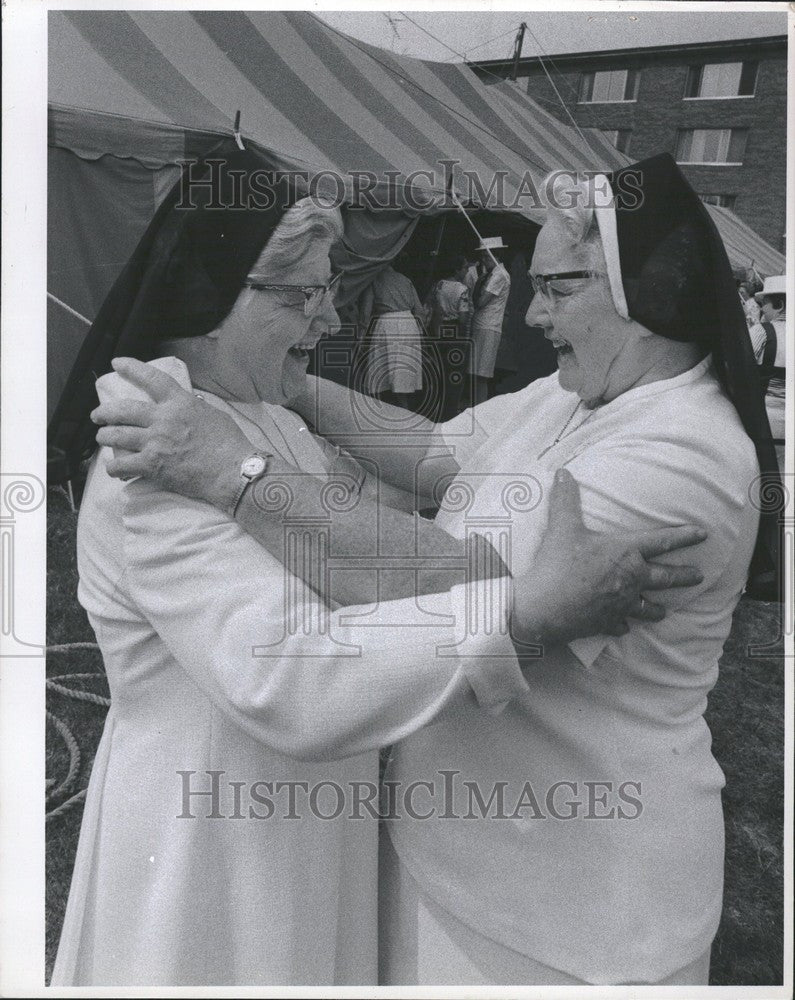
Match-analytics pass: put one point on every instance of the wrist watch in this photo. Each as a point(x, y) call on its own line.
point(251, 469)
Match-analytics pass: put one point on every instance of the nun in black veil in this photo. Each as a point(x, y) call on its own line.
point(180, 878)
point(656, 412)
point(206, 855)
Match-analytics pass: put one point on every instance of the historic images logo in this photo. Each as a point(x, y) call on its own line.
point(22, 493)
point(212, 794)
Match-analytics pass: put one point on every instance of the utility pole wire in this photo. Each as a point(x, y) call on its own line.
point(557, 93)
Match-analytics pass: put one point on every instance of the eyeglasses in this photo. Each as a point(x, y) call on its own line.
point(314, 295)
point(542, 282)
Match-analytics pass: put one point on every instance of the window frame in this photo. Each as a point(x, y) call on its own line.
point(627, 132)
point(720, 97)
point(631, 74)
point(711, 163)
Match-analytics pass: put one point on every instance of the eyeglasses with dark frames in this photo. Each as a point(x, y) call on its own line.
point(314, 295)
point(541, 282)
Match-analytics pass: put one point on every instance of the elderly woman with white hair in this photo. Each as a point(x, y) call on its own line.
point(599, 858)
point(213, 848)
point(211, 851)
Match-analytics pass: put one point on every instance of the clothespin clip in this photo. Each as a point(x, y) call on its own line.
point(238, 140)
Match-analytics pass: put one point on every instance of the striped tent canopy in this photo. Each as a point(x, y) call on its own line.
point(744, 247)
point(132, 93)
point(314, 98)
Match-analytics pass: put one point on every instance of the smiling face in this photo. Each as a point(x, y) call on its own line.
point(263, 344)
point(593, 343)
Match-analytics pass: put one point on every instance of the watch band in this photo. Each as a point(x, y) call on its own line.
point(246, 479)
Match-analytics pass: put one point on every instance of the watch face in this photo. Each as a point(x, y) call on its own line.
point(253, 466)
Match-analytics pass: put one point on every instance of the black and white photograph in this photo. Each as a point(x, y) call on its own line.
point(397, 500)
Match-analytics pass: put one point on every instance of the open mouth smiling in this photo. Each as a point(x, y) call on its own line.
point(301, 351)
point(561, 346)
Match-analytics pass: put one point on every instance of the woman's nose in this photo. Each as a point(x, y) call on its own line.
point(538, 312)
point(327, 318)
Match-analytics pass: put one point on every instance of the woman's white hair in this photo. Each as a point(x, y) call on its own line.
point(304, 222)
point(586, 212)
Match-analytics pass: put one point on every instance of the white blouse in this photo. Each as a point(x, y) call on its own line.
point(230, 684)
point(606, 861)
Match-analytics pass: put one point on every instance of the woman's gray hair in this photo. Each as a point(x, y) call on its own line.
point(304, 222)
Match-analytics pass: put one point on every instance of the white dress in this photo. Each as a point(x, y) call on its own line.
point(487, 323)
point(220, 678)
point(608, 868)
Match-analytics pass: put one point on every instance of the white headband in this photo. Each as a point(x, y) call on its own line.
point(605, 211)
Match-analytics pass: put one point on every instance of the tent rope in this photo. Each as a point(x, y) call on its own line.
point(69, 309)
point(557, 93)
point(480, 45)
point(56, 685)
point(463, 211)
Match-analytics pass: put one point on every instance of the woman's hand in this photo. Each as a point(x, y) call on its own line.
point(174, 439)
point(583, 583)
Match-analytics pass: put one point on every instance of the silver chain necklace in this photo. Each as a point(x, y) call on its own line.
point(564, 428)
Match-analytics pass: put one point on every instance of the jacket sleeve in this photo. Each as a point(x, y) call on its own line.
point(309, 682)
point(638, 483)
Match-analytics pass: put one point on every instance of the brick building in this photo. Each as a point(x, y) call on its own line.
point(719, 107)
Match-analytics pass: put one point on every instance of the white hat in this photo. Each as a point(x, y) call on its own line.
point(492, 243)
point(777, 285)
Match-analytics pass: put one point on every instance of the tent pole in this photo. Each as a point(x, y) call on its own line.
point(437, 248)
point(472, 224)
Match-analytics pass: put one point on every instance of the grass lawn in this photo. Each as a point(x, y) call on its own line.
point(746, 715)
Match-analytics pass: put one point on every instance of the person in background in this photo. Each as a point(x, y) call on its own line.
point(449, 308)
point(471, 276)
point(490, 296)
point(748, 284)
point(769, 341)
point(392, 314)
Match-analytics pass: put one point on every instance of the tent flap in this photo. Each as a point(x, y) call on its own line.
point(91, 135)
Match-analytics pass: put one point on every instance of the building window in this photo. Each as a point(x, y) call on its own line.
point(735, 79)
point(619, 137)
point(711, 145)
point(722, 200)
point(609, 86)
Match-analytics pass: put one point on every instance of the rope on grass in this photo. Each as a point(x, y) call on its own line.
point(74, 757)
point(66, 647)
point(66, 806)
point(53, 684)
